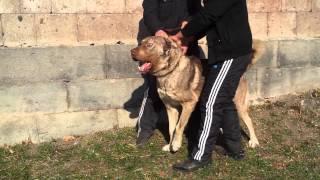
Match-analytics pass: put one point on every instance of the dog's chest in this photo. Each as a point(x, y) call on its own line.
point(168, 97)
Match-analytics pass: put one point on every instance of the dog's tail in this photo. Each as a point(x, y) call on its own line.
point(258, 50)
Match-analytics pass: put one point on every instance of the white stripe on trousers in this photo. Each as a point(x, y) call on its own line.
point(142, 109)
point(209, 108)
point(213, 89)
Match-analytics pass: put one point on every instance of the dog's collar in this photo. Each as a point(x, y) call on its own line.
point(169, 70)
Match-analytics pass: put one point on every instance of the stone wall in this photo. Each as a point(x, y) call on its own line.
point(68, 22)
point(83, 22)
point(55, 91)
point(65, 67)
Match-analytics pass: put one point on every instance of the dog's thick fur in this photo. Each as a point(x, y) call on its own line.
point(179, 84)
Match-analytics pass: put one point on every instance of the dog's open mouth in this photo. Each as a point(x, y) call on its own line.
point(145, 66)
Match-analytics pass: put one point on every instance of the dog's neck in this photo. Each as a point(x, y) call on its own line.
point(166, 71)
point(170, 69)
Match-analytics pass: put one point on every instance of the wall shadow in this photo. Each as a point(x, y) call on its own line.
point(137, 95)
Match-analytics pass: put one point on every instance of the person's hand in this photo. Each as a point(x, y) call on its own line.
point(180, 40)
point(161, 33)
point(177, 37)
point(183, 24)
point(184, 49)
point(145, 68)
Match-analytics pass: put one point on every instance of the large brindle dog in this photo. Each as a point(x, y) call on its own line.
point(179, 84)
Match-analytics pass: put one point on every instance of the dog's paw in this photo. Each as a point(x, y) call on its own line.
point(253, 143)
point(175, 146)
point(166, 148)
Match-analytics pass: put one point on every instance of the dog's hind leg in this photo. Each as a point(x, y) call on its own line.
point(242, 108)
point(173, 115)
point(187, 109)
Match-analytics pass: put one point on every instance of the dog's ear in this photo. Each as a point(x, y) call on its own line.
point(172, 43)
point(166, 46)
point(169, 44)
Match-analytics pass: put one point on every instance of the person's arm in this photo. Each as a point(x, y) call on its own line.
point(207, 16)
point(185, 13)
point(151, 15)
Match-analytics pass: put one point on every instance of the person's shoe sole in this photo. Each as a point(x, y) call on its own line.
point(192, 170)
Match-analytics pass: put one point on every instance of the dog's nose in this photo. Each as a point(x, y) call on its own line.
point(133, 52)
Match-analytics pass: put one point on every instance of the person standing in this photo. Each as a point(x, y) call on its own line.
point(162, 18)
point(229, 42)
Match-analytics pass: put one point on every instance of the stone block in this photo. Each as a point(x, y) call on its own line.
point(88, 62)
point(120, 63)
point(272, 82)
point(35, 6)
point(308, 24)
point(104, 94)
point(105, 6)
point(259, 25)
point(264, 5)
point(276, 82)
point(316, 6)
point(75, 123)
point(134, 6)
point(299, 53)
point(16, 128)
point(282, 25)
point(296, 5)
point(251, 77)
point(304, 79)
point(46, 97)
point(38, 127)
point(69, 6)
point(125, 117)
point(269, 50)
point(19, 66)
point(108, 28)
point(18, 30)
point(1, 32)
point(9, 6)
point(56, 29)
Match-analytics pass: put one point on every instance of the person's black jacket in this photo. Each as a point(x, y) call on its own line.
point(168, 15)
point(227, 27)
point(164, 14)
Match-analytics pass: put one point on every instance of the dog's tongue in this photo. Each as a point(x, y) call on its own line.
point(145, 67)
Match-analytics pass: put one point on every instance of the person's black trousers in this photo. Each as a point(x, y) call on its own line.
point(152, 111)
point(217, 108)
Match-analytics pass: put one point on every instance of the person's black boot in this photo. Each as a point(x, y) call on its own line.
point(142, 139)
point(191, 165)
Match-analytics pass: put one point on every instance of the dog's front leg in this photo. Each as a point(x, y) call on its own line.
point(187, 109)
point(173, 116)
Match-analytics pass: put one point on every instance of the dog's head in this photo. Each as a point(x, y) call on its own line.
point(159, 52)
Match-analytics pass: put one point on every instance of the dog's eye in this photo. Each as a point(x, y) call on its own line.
point(149, 45)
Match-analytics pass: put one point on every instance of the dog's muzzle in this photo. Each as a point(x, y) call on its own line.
point(133, 52)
